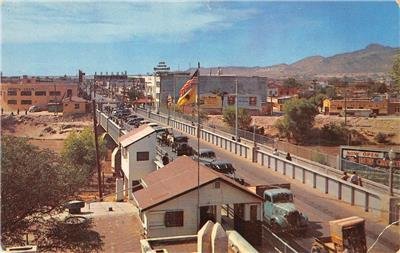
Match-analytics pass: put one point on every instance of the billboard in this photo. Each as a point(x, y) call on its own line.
point(371, 157)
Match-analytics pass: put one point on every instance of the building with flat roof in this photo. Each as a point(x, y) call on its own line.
point(378, 105)
point(24, 92)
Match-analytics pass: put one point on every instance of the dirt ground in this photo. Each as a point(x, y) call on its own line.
point(368, 127)
point(43, 129)
point(47, 130)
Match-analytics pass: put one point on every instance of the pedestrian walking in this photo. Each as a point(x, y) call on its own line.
point(165, 159)
point(18, 111)
point(345, 176)
point(2, 111)
point(26, 112)
point(355, 179)
point(288, 157)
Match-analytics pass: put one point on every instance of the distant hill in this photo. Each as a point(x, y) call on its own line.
point(373, 61)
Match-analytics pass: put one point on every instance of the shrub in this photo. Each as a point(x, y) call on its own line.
point(381, 137)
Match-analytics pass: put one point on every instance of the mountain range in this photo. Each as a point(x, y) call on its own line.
point(373, 61)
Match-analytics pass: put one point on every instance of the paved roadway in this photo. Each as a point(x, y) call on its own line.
point(320, 208)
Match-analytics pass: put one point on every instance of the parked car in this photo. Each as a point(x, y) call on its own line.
point(183, 149)
point(225, 168)
point(178, 140)
point(143, 122)
point(280, 213)
point(35, 108)
point(134, 121)
point(205, 155)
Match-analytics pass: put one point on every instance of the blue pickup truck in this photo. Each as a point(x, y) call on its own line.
point(280, 213)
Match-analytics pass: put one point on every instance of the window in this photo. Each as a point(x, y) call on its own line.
point(252, 101)
point(26, 93)
point(231, 100)
point(142, 156)
point(173, 219)
point(76, 106)
point(267, 198)
point(217, 185)
point(69, 93)
point(40, 93)
point(11, 92)
point(55, 93)
point(26, 102)
point(12, 102)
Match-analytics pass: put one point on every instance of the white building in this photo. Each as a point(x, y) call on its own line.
point(152, 86)
point(137, 155)
point(168, 201)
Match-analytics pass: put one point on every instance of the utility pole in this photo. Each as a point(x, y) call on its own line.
point(198, 143)
point(236, 110)
point(97, 150)
point(173, 102)
point(345, 104)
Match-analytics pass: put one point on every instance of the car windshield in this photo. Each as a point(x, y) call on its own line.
point(283, 198)
point(225, 167)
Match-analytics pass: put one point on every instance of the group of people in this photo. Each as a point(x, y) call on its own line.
point(288, 156)
point(354, 178)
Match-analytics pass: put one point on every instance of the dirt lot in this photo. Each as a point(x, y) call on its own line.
point(45, 130)
point(368, 127)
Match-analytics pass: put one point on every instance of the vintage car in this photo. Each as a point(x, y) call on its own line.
point(280, 213)
point(205, 155)
point(183, 149)
point(226, 168)
point(177, 140)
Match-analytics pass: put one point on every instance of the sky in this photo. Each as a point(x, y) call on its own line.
point(57, 38)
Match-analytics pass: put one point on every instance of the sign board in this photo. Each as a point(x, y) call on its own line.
point(372, 157)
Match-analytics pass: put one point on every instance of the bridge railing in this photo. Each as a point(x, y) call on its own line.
point(332, 185)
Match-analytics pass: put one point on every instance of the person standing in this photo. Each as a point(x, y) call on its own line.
point(345, 176)
point(276, 152)
point(2, 111)
point(288, 157)
point(18, 111)
point(355, 179)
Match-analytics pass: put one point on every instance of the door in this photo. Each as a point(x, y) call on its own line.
point(207, 213)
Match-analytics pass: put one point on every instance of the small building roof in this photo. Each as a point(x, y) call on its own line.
point(176, 179)
point(135, 134)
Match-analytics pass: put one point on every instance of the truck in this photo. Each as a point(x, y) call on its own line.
point(346, 235)
point(280, 212)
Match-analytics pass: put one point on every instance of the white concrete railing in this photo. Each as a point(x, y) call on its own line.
point(368, 199)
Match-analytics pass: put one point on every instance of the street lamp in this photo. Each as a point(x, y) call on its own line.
point(392, 156)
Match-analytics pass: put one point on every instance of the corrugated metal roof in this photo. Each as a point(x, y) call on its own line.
point(177, 178)
point(135, 135)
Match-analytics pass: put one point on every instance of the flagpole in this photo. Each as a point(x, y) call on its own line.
point(198, 144)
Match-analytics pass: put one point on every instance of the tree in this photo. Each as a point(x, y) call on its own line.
point(332, 133)
point(395, 73)
point(35, 183)
point(80, 150)
point(244, 119)
point(291, 83)
point(298, 119)
point(318, 99)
